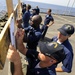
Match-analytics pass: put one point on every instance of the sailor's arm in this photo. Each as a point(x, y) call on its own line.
point(51, 23)
point(59, 69)
point(14, 57)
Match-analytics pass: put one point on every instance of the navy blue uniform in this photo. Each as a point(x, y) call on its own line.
point(37, 11)
point(33, 36)
point(23, 11)
point(26, 18)
point(67, 63)
point(47, 20)
point(33, 70)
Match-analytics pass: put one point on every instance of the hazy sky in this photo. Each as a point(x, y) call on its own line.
point(57, 2)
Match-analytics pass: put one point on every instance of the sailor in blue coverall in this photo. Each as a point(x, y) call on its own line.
point(41, 63)
point(47, 22)
point(64, 33)
point(26, 16)
point(33, 32)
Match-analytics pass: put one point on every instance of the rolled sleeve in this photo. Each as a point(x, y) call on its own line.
point(67, 63)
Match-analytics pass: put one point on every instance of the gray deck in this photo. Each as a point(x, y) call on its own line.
point(52, 31)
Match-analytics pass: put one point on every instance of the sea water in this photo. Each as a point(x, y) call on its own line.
point(43, 7)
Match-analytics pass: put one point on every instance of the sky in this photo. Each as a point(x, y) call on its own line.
point(57, 2)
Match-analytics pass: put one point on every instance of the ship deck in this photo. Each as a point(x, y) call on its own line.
point(52, 31)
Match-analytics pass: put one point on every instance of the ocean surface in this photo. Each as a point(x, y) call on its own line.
point(43, 7)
